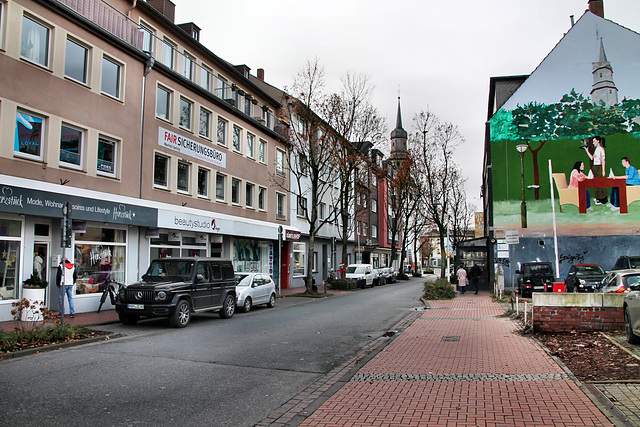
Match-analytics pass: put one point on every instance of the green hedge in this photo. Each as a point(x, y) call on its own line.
point(439, 289)
point(344, 284)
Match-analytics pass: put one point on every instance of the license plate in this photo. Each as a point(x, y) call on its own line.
point(538, 287)
point(136, 306)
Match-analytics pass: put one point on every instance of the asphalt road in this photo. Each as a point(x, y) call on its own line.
point(219, 372)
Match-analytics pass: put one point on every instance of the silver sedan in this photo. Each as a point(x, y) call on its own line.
point(255, 289)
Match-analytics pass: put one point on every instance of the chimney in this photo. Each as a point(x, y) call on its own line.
point(165, 7)
point(597, 7)
point(260, 72)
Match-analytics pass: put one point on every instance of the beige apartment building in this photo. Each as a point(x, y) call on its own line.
point(159, 147)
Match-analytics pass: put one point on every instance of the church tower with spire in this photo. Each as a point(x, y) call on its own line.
point(603, 89)
point(398, 139)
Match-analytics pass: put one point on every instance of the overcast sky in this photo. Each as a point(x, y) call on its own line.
point(439, 54)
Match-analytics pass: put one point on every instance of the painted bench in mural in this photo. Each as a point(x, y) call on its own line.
point(569, 196)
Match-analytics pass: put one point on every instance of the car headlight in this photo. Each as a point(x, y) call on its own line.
point(161, 296)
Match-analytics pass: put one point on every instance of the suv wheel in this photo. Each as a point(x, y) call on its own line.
point(272, 301)
point(246, 307)
point(128, 319)
point(229, 307)
point(181, 315)
point(631, 337)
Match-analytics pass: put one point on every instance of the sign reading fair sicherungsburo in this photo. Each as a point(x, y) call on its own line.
point(189, 147)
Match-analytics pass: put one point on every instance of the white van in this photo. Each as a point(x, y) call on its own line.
point(362, 273)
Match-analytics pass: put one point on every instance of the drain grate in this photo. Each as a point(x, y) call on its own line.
point(453, 338)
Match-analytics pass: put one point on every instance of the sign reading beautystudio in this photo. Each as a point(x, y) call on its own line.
point(31, 202)
point(186, 146)
point(184, 221)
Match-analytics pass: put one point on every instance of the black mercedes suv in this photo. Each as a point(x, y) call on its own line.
point(178, 287)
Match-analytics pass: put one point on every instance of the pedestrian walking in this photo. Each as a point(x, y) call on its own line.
point(68, 270)
point(475, 274)
point(462, 279)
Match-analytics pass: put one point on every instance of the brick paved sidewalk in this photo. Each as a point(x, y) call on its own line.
point(459, 364)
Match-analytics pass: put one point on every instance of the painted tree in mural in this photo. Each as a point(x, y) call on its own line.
point(574, 117)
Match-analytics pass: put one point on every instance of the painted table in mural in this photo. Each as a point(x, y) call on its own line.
point(621, 183)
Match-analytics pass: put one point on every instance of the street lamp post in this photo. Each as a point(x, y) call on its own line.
point(523, 205)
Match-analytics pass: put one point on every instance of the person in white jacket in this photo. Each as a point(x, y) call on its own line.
point(69, 270)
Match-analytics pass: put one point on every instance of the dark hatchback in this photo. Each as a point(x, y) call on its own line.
point(178, 287)
point(584, 278)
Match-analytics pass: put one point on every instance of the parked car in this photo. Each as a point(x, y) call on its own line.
point(389, 274)
point(535, 277)
point(178, 287)
point(255, 289)
point(361, 273)
point(626, 262)
point(584, 278)
point(618, 281)
point(631, 311)
point(378, 277)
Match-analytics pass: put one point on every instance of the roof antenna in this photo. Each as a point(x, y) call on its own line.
point(572, 20)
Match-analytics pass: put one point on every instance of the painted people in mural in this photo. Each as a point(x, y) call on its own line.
point(599, 168)
point(633, 178)
point(578, 175)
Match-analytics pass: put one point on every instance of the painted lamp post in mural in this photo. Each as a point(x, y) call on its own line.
point(523, 206)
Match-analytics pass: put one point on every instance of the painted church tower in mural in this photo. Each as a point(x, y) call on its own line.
point(603, 89)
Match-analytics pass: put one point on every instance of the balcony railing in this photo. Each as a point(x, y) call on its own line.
point(121, 26)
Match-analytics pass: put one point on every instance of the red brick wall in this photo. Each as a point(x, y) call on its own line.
point(565, 319)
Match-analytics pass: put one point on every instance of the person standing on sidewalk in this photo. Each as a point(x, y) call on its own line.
point(475, 274)
point(462, 279)
point(68, 269)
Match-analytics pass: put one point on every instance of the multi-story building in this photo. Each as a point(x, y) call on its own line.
point(160, 147)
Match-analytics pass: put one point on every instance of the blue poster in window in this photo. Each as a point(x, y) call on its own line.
point(28, 134)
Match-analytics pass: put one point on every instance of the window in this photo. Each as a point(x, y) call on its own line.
point(250, 140)
point(262, 198)
point(322, 210)
point(302, 206)
point(76, 61)
point(205, 123)
point(185, 113)
point(374, 205)
point(203, 182)
point(281, 201)
point(205, 78)
point(248, 192)
point(365, 229)
point(302, 163)
point(71, 141)
point(221, 183)
point(167, 53)
point(106, 156)
point(262, 151)
point(161, 171)
point(187, 66)
point(110, 78)
point(235, 191)
point(315, 262)
point(222, 131)
point(35, 42)
point(29, 141)
point(299, 264)
point(374, 231)
point(183, 177)
point(236, 137)
point(247, 105)
point(220, 87)
point(147, 39)
point(279, 162)
point(163, 104)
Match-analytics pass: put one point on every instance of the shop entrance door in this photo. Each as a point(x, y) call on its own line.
point(284, 265)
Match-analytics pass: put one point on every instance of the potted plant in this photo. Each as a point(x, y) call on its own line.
point(241, 92)
point(254, 101)
point(265, 107)
point(33, 290)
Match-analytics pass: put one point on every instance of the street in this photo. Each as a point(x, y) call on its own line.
point(229, 372)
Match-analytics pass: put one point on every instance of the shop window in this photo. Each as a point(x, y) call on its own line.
point(222, 131)
point(71, 142)
point(76, 61)
point(161, 171)
point(107, 152)
point(250, 141)
point(237, 132)
point(35, 42)
point(183, 177)
point(235, 191)
point(299, 256)
point(29, 141)
point(221, 182)
point(175, 244)
point(100, 256)
point(10, 242)
point(262, 198)
point(249, 194)
point(262, 151)
point(205, 123)
point(250, 255)
point(185, 113)
point(163, 104)
point(203, 182)
point(111, 78)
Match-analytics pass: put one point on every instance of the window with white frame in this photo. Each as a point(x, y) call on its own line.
point(160, 171)
point(163, 104)
point(76, 61)
point(221, 87)
point(184, 170)
point(302, 206)
point(71, 143)
point(237, 132)
point(247, 105)
point(250, 145)
point(374, 231)
point(35, 41)
point(262, 198)
point(322, 210)
point(205, 123)
point(186, 108)
point(203, 182)
point(249, 194)
point(147, 39)
point(299, 256)
point(280, 162)
point(110, 77)
point(187, 66)
point(262, 151)
point(221, 182)
point(205, 78)
point(107, 156)
point(168, 53)
point(222, 131)
point(281, 201)
point(29, 141)
point(235, 191)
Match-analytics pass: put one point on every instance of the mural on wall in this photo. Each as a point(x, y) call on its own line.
point(572, 117)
